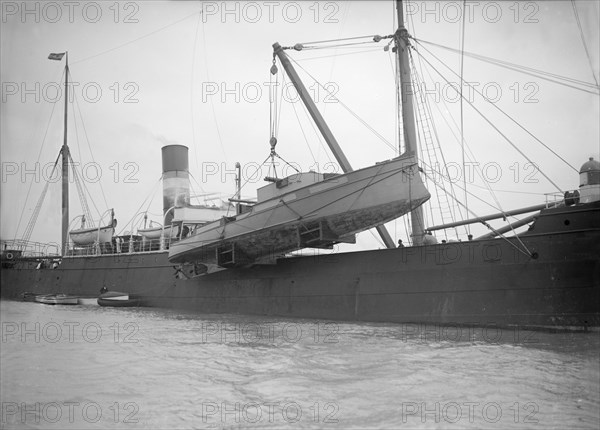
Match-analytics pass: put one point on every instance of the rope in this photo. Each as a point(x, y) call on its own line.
point(587, 53)
point(341, 45)
point(522, 69)
point(363, 122)
point(496, 128)
point(525, 252)
point(420, 83)
point(38, 206)
point(504, 113)
point(372, 37)
point(138, 211)
point(91, 151)
point(361, 51)
point(136, 39)
point(462, 135)
point(37, 161)
point(470, 155)
point(81, 193)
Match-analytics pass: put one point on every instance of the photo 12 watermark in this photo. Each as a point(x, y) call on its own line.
point(119, 172)
point(253, 12)
point(63, 413)
point(53, 92)
point(473, 91)
point(271, 333)
point(468, 413)
point(60, 12)
point(490, 12)
point(69, 332)
point(490, 333)
point(254, 92)
point(272, 412)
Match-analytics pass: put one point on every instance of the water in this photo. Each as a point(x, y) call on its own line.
point(92, 367)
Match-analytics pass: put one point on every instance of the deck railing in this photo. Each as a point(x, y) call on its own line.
point(21, 248)
point(31, 249)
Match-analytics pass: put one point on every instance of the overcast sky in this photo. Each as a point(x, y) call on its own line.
point(152, 73)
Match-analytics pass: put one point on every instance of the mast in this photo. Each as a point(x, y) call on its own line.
point(323, 127)
point(408, 115)
point(65, 168)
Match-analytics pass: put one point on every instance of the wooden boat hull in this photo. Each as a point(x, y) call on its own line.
point(88, 301)
point(334, 209)
point(117, 299)
point(155, 233)
point(89, 236)
point(119, 303)
point(57, 299)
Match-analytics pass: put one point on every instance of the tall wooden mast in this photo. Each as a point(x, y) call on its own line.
point(408, 115)
point(65, 168)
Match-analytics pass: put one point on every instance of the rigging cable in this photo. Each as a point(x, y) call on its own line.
point(501, 134)
point(398, 138)
point(273, 114)
point(38, 206)
point(470, 155)
point(81, 193)
point(523, 69)
point(303, 133)
point(496, 128)
point(429, 119)
point(38, 163)
point(587, 53)
point(322, 145)
point(373, 38)
point(361, 51)
point(138, 211)
point(383, 139)
point(526, 252)
point(192, 80)
point(89, 146)
point(462, 133)
point(212, 105)
point(137, 39)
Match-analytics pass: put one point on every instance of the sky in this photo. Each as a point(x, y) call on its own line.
point(150, 73)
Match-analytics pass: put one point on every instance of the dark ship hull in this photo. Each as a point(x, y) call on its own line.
point(480, 282)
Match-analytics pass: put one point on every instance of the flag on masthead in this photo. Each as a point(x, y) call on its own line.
point(56, 56)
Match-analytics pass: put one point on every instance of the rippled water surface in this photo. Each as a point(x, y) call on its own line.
point(73, 367)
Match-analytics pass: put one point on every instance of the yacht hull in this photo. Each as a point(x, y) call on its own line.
point(318, 214)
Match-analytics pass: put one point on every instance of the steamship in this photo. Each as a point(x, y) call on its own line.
point(209, 260)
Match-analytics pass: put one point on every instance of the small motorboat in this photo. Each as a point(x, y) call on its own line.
point(117, 299)
point(57, 299)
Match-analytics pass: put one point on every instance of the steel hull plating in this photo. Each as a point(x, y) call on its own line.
point(485, 282)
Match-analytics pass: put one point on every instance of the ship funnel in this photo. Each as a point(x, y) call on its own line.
point(175, 178)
